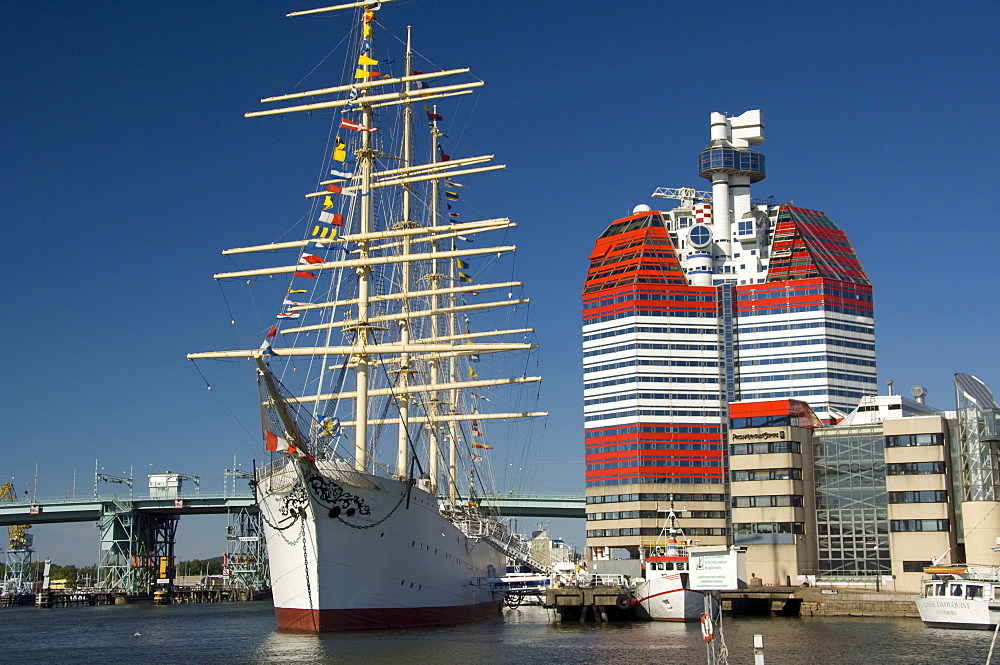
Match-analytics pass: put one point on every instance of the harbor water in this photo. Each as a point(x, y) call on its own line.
point(222, 633)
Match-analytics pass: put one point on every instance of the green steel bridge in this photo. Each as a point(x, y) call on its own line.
point(55, 511)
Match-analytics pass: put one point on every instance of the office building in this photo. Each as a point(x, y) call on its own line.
point(717, 300)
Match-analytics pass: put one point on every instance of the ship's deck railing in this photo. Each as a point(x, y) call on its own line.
point(597, 579)
point(973, 571)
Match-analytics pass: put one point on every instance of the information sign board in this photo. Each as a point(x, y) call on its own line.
point(716, 568)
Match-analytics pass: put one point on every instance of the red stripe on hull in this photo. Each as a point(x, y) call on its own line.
point(328, 621)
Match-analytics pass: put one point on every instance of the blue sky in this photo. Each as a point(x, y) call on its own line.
point(127, 166)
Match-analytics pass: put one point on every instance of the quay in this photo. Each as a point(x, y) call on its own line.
point(614, 603)
point(603, 603)
point(819, 602)
point(52, 598)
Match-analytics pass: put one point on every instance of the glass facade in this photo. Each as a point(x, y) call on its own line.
point(852, 516)
point(979, 438)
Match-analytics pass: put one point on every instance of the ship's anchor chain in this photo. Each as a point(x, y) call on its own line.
point(345, 503)
point(305, 568)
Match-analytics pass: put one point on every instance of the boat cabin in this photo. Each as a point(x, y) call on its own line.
point(959, 588)
point(664, 563)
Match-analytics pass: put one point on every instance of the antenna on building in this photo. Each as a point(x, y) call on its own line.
point(918, 392)
point(888, 382)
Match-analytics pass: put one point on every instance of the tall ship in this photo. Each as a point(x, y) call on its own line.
point(664, 593)
point(393, 381)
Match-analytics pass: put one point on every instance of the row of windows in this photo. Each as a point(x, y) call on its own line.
point(629, 396)
point(674, 479)
point(798, 309)
point(643, 378)
point(913, 468)
point(768, 501)
point(778, 394)
point(919, 496)
point(769, 527)
point(629, 256)
point(648, 531)
point(648, 413)
point(630, 267)
point(633, 281)
point(655, 496)
point(765, 447)
point(646, 346)
point(865, 330)
point(645, 240)
point(632, 362)
point(646, 221)
point(849, 529)
point(897, 526)
point(904, 440)
point(635, 297)
point(764, 421)
point(760, 294)
point(634, 330)
point(703, 314)
point(852, 515)
point(826, 358)
point(653, 446)
point(808, 341)
point(744, 475)
point(656, 514)
point(598, 466)
point(746, 379)
point(869, 542)
point(654, 429)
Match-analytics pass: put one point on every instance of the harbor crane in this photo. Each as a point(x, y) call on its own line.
point(16, 579)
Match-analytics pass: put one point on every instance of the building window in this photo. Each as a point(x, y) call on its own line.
point(914, 440)
point(921, 496)
point(898, 526)
point(765, 447)
point(915, 566)
point(767, 474)
point(768, 527)
point(768, 501)
point(913, 468)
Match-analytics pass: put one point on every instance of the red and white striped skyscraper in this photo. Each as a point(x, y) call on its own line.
point(717, 300)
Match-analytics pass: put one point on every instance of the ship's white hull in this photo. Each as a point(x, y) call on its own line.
point(945, 612)
point(664, 598)
point(351, 551)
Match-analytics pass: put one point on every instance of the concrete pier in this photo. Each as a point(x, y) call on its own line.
point(582, 604)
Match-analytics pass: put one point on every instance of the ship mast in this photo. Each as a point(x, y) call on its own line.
point(413, 247)
point(434, 277)
point(402, 395)
point(360, 359)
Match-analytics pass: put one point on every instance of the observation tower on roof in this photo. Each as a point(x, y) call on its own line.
point(731, 165)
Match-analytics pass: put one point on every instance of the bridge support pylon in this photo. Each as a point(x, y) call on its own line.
point(137, 549)
point(245, 567)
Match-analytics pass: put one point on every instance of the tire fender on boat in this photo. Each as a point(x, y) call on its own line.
point(623, 601)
